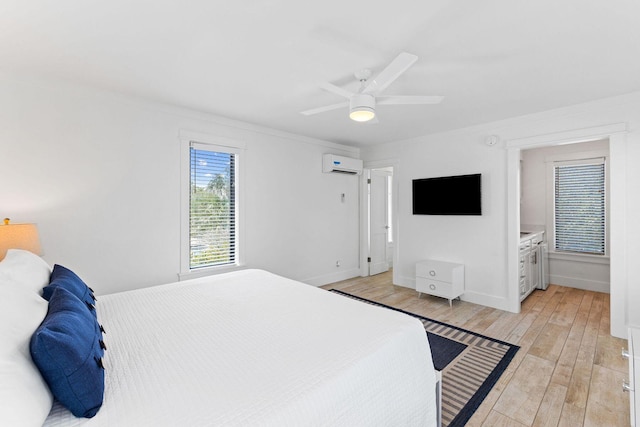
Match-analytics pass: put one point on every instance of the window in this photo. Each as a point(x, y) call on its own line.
point(210, 199)
point(580, 206)
point(212, 211)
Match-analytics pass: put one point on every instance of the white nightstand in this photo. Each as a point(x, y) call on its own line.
point(440, 278)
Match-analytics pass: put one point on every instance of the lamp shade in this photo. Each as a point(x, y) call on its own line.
point(362, 107)
point(19, 236)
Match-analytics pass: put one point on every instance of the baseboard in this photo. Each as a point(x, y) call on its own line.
point(325, 279)
point(499, 303)
point(405, 282)
point(587, 285)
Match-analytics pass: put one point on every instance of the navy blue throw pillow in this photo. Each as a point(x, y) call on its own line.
point(66, 349)
point(65, 278)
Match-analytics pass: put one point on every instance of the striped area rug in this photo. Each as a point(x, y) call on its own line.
point(471, 364)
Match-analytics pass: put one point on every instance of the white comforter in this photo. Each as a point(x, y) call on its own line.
point(252, 348)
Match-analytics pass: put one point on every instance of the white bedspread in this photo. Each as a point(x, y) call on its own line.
point(252, 348)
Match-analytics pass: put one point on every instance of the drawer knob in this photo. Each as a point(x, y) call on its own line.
point(625, 353)
point(626, 386)
point(432, 287)
point(432, 272)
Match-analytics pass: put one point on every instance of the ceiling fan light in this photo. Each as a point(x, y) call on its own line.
point(362, 107)
point(362, 114)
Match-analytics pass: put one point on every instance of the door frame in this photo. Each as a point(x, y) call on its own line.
point(364, 211)
point(382, 178)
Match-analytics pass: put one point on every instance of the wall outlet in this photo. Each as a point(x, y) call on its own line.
point(338, 263)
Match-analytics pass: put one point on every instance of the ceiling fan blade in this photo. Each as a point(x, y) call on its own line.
point(390, 73)
point(337, 90)
point(400, 99)
point(325, 108)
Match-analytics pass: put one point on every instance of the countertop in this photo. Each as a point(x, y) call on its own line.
point(528, 235)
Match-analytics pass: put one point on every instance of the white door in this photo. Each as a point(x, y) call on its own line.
point(378, 221)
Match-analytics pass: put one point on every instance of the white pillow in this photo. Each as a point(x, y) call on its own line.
point(26, 398)
point(25, 269)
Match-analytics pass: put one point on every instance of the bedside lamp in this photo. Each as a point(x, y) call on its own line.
point(19, 236)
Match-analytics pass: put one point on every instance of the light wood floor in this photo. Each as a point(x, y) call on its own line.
point(568, 371)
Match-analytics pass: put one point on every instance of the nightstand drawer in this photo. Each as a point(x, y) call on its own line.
point(435, 270)
point(435, 287)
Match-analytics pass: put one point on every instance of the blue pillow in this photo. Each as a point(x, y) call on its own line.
point(65, 278)
point(67, 349)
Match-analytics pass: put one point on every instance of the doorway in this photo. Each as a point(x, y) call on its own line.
point(616, 135)
point(377, 219)
point(380, 215)
point(577, 236)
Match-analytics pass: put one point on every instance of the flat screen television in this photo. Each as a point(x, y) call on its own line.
point(448, 195)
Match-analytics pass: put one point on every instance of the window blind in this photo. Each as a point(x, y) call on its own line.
point(212, 208)
point(580, 208)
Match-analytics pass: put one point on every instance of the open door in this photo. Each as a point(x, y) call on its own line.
point(379, 221)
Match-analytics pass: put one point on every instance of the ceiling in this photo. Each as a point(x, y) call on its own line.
point(263, 61)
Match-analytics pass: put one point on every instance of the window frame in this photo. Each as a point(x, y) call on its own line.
point(575, 159)
point(202, 141)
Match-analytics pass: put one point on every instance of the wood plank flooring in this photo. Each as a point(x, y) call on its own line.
point(568, 371)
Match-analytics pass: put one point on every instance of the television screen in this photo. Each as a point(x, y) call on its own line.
point(448, 195)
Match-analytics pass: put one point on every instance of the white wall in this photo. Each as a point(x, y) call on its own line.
point(587, 272)
point(482, 243)
point(470, 240)
point(100, 175)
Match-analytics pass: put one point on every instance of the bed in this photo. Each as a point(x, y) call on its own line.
point(240, 349)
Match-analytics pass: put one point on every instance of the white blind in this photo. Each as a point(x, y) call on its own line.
point(580, 208)
point(212, 208)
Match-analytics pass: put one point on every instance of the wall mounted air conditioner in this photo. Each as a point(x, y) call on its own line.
point(339, 164)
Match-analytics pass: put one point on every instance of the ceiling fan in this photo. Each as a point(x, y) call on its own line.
point(362, 104)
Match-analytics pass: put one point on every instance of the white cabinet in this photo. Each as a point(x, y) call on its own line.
point(633, 354)
point(531, 276)
point(440, 278)
point(534, 267)
point(523, 269)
